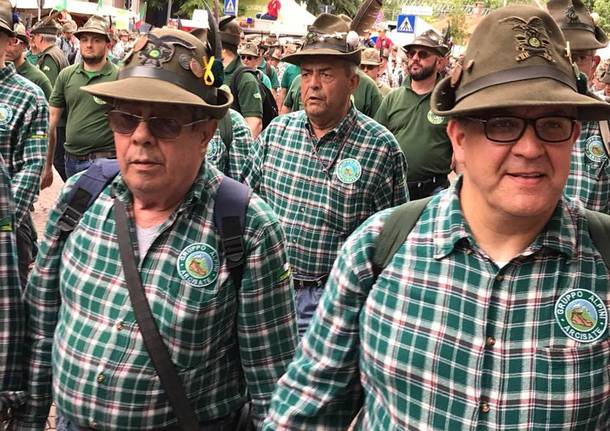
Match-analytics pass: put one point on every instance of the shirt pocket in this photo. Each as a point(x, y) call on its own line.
point(575, 377)
point(346, 207)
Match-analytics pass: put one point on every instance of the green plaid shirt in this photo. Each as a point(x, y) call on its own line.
point(84, 331)
point(11, 308)
point(299, 176)
point(23, 136)
point(416, 342)
point(589, 179)
point(232, 163)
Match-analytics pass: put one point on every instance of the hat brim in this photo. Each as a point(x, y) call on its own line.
point(370, 63)
point(541, 92)
point(440, 51)
point(152, 90)
point(80, 32)
point(5, 28)
point(298, 57)
point(583, 40)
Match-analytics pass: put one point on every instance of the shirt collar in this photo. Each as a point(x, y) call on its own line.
point(559, 234)
point(106, 70)
point(8, 71)
point(232, 65)
point(340, 129)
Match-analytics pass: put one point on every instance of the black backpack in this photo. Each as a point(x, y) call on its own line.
point(270, 110)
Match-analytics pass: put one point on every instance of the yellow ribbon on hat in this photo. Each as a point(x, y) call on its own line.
point(208, 75)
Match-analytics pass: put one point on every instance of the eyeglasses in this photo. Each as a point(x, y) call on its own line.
point(248, 57)
point(421, 53)
point(162, 128)
point(367, 67)
point(505, 130)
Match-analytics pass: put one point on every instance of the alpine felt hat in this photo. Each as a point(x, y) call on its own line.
point(46, 26)
point(370, 57)
point(577, 24)
point(605, 77)
point(429, 39)
point(6, 17)
point(250, 48)
point(527, 64)
point(329, 35)
point(69, 27)
point(230, 31)
point(97, 25)
point(169, 66)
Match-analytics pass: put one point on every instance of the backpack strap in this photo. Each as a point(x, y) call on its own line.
point(86, 190)
point(599, 229)
point(395, 231)
point(234, 87)
point(230, 209)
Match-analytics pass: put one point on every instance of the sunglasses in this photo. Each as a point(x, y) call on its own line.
point(422, 54)
point(125, 123)
point(248, 57)
point(367, 67)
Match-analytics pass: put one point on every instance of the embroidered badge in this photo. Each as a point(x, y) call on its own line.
point(595, 149)
point(581, 315)
point(571, 15)
point(349, 171)
point(435, 119)
point(40, 134)
point(154, 51)
point(213, 151)
point(6, 224)
point(198, 265)
point(531, 37)
point(6, 114)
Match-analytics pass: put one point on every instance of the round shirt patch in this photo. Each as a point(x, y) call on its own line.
point(198, 265)
point(581, 315)
point(6, 114)
point(98, 100)
point(349, 171)
point(213, 150)
point(595, 149)
point(435, 119)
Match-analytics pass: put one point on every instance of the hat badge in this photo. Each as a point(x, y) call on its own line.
point(571, 15)
point(531, 37)
point(154, 51)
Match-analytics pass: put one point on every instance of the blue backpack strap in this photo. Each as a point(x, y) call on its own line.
point(86, 190)
point(230, 208)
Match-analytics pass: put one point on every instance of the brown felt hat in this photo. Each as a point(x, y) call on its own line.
point(69, 27)
point(429, 39)
point(97, 25)
point(526, 65)
point(6, 17)
point(46, 26)
point(329, 35)
point(605, 77)
point(230, 31)
point(250, 48)
point(169, 66)
point(577, 24)
point(370, 57)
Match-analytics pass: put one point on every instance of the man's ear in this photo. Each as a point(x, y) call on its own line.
point(457, 134)
point(207, 129)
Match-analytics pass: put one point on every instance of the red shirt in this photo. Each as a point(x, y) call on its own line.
point(273, 7)
point(383, 42)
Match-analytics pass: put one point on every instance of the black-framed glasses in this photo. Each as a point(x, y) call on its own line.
point(248, 57)
point(421, 53)
point(508, 129)
point(162, 128)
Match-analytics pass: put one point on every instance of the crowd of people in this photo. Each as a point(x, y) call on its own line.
point(317, 233)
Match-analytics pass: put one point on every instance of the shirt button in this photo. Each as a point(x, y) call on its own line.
point(101, 377)
point(92, 424)
point(302, 209)
point(485, 408)
point(499, 277)
point(119, 326)
point(490, 342)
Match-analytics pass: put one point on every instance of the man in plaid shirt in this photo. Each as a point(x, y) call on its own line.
point(589, 179)
point(324, 170)
point(493, 314)
point(228, 343)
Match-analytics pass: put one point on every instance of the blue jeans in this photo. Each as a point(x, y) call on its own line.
point(307, 302)
point(74, 166)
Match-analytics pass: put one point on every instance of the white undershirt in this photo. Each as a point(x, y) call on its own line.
point(146, 236)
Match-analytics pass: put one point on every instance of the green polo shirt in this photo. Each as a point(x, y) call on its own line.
point(367, 96)
point(272, 75)
point(87, 128)
point(248, 93)
point(291, 72)
point(421, 134)
point(33, 74)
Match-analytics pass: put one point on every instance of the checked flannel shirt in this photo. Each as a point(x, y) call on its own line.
point(23, 136)
point(298, 176)
point(12, 325)
point(446, 340)
point(589, 179)
point(84, 331)
point(231, 163)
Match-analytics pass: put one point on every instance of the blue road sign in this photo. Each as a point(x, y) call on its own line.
point(405, 24)
point(230, 7)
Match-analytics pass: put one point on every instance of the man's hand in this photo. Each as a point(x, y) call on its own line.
point(46, 179)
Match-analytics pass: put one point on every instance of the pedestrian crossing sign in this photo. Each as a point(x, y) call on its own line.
point(231, 7)
point(405, 24)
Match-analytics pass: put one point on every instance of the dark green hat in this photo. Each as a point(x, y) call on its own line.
point(329, 35)
point(46, 26)
point(168, 66)
point(6, 17)
point(97, 25)
point(230, 31)
point(526, 65)
point(430, 39)
point(577, 24)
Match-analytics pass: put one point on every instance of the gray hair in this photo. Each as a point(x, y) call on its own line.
point(49, 38)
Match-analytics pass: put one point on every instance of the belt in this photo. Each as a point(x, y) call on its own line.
point(440, 180)
point(305, 282)
point(93, 156)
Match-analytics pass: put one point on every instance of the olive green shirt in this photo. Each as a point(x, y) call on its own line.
point(422, 135)
point(272, 75)
point(48, 65)
point(87, 128)
point(35, 75)
point(367, 96)
point(248, 93)
point(384, 89)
